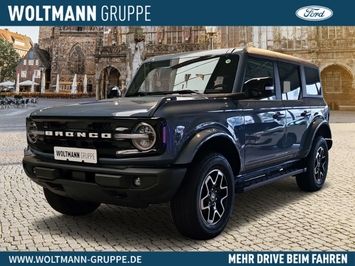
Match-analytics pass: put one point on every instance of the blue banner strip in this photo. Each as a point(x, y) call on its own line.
point(182, 12)
point(177, 258)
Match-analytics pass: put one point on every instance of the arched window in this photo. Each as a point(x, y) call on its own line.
point(76, 61)
point(336, 79)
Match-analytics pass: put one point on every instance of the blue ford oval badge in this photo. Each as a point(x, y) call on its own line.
point(314, 13)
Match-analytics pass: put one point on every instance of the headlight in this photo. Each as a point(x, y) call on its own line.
point(145, 137)
point(32, 132)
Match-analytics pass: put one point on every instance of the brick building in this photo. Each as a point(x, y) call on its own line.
point(33, 65)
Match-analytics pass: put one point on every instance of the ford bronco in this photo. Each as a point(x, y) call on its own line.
point(192, 129)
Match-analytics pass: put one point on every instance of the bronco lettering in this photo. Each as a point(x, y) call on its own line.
point(78, 134)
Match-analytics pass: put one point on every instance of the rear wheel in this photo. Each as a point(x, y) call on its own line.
point(317, 167)
point(69, 206)
point(202, 206)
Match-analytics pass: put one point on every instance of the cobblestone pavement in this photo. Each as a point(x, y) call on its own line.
point(275, 217)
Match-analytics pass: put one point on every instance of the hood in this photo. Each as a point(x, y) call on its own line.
point(118, 107)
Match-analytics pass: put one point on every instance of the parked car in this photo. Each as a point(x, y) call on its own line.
point(192, 129)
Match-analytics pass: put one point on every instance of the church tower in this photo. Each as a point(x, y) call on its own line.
point(46, 35)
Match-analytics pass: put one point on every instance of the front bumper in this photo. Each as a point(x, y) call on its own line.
point(109, 184)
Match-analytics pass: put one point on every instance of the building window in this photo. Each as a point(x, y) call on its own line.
point(37, 74)
point(23, 74)
point(36, 62)
point(76, 62)
point(30, 62)
point(24, 62)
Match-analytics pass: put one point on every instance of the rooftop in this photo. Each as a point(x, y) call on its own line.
point(19, 41)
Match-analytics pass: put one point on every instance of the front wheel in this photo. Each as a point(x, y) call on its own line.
point(203, 205)
point(317, 167)
point(69, 206)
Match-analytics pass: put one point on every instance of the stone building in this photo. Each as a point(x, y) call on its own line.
point(20, 42)
point(109, 56)
point(72, 51)
point(331, 48)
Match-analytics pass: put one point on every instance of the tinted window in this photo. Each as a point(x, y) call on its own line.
point(259, 80)
point(313, 86)
point(290, 81)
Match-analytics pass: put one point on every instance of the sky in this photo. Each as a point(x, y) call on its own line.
point(29, 31)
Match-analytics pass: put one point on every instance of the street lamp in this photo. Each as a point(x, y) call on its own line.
point(211, 31)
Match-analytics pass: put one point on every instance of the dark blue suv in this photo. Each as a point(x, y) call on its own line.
point(192, 129)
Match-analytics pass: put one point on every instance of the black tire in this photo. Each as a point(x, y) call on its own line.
point(317, 167)
point(190, 217)
point(69, 206)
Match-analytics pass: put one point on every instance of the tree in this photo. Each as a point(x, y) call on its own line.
point(9, 59)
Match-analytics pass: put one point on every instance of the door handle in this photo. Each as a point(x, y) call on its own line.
point(278, 115)
point(306, 113)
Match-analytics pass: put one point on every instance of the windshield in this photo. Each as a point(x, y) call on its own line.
point(207, 74)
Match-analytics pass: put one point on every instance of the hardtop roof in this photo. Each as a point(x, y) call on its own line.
point(247, 50)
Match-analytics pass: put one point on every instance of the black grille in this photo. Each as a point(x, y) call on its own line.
point(106, 148)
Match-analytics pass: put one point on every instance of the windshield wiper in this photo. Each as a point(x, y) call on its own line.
point(185, 92)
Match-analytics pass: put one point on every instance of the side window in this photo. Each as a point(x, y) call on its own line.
point(259, 80)
point(313, 86)
point(290, 81)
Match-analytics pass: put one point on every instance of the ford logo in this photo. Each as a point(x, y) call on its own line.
point(314, 13)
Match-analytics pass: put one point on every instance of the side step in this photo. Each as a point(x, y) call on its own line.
point(258, 181)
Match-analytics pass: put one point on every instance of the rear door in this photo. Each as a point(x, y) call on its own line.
point(264, 114)
point(297, 113)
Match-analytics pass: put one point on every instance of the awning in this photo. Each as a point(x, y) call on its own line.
point(7, 84)
point(27, 83)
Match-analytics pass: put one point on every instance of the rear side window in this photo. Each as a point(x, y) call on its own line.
point(313, 86)
point(290, 81)
point(259, 80)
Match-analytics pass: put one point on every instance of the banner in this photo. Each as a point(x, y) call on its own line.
point(154, 12)
point(177, 258)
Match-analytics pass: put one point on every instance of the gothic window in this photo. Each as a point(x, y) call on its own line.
point(76, 61)
point(174, 35)
point(152, 34)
